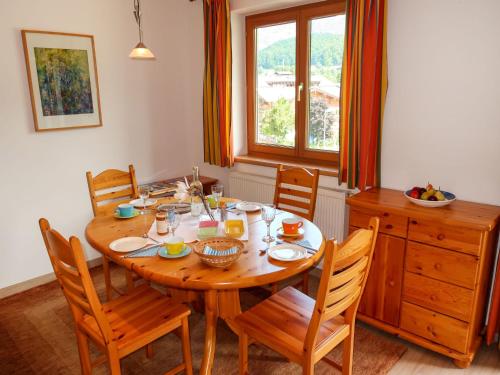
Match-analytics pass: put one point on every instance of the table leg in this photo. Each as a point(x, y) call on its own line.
point(211, 315)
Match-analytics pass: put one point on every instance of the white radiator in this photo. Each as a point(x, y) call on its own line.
point(330, 205)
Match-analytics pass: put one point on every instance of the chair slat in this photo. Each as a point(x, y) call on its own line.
point(294, 192)
point(344, 276)
point(294, 203)
point(338, 294)
point(78, 300)
point(115, 195)
point(298, 177)
point(341, 306)
point(111, 178)
point(77, 288)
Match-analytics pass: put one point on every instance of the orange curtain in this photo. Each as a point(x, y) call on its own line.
point(363, 91)
point(217, 132)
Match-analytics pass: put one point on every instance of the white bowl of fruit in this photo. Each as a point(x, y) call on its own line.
point(429, 197)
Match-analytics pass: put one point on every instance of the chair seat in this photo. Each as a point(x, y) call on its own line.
point(139, 317)
point(284, 318)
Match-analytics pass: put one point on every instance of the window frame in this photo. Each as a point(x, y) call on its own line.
point(301, 15)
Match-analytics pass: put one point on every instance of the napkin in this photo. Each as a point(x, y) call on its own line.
point(142, 253)
point(209, 251)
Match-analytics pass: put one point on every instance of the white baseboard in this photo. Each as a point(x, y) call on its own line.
point(37, 281)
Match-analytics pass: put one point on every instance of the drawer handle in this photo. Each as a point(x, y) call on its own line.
point(433, 297)
point(431, 330)
point(414, 222)
point(386, 214)
point(440, 236)
point(438, 266)
point(388, 226)
point(392, 283)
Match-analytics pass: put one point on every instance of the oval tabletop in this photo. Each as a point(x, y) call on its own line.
point(252, 268)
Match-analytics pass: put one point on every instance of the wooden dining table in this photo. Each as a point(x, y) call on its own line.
point(220, 286)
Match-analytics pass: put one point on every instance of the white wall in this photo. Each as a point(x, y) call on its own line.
point(442, 120)
point(146, 109)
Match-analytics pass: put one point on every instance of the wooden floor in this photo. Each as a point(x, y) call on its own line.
point(421, 361)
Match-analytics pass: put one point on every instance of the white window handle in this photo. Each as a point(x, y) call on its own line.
point(299, 91)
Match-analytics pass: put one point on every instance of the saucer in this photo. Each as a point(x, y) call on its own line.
point(248, 206)
point(117, 215)
point(139, 203)
point(163, 253)
point(282, 233)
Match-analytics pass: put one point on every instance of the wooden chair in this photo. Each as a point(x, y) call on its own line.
point(119, 187)
point(121, 326)
point(293, 183)
point(304, 330)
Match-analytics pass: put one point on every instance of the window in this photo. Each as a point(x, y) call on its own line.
point(294, 62)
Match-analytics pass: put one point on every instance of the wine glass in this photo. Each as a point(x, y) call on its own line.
point(217, 192)
point(268, 213)
point(144, 194)
point(173, 219)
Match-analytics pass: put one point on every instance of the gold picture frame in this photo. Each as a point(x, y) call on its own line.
point(63, 81)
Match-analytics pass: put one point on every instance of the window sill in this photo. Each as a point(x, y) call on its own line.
point(273, 163)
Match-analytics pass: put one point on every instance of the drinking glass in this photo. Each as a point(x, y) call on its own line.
point(217, 192)
point(144, 194)
point(268, 213)
point(173, 219)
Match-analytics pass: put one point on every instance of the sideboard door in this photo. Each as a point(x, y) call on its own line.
point(382, 296)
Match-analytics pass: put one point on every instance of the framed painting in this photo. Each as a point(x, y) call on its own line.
point(62, 76)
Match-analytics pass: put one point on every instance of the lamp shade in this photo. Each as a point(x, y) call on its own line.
point(141, 52)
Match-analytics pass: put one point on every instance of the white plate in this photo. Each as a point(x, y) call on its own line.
point(128, 244)
point(248, 206)
point(287, 252)
point(139, 202)
point(282, 233)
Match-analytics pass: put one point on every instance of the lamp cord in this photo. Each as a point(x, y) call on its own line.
point(137, 15)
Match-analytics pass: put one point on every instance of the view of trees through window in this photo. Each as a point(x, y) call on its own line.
point(276, 88)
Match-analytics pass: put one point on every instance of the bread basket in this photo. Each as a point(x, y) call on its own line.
point(221, 251)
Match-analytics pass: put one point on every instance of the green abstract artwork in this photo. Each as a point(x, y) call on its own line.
point(64, 81)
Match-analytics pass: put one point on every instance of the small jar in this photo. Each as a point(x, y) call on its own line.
point(161, 223)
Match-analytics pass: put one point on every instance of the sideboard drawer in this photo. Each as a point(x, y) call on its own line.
point(389, 223)
point(445, 265)
point(455, 238)
point(438, 296)
point(435, 327)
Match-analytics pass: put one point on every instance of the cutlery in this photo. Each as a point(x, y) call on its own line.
point(311, 249)
point(263, 251)
point(152, 239)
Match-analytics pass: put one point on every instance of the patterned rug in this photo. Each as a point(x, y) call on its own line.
point(37, 337)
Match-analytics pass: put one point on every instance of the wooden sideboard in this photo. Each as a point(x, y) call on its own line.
point(431, 270)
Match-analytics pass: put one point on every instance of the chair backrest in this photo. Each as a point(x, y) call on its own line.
point(71, 270)
point(107, 183)
point(296, 190)
point(345, 271)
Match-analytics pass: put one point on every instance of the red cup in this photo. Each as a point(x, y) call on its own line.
point(291, 225)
